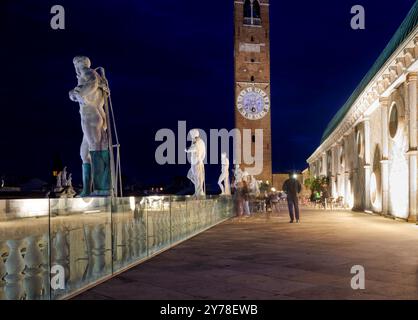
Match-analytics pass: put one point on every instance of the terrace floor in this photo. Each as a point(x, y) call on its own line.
point(265, 257)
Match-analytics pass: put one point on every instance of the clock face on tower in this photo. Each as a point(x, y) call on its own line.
point(253, 103)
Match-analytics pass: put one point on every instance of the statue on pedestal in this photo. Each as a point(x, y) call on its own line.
point(197, 171)
point(223, 180)
point(90, 93)
point(64, 186)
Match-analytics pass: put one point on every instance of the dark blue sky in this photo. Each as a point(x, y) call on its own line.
point(171, 60)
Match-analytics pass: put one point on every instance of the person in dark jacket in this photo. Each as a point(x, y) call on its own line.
point(292, 187)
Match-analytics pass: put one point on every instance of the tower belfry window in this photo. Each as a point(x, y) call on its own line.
point(247, 9)
point(252, 13)
point(256, 10)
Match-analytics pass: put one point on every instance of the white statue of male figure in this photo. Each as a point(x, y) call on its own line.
point(237, 175)
point(223, 180)
point(90, 93)
point(197, 171)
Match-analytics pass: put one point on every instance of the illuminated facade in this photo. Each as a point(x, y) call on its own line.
point(369, 149)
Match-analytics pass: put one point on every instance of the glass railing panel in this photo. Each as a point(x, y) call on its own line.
point(178, 218)
point(24, 249)
point(55, 248)
point(158, 223)
point(129, 218)
point(81, 243)
point(191, 207)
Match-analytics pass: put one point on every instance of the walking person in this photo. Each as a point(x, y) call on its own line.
point(239, 201)
point(292, 187)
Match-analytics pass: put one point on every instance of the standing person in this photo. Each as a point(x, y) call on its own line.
point(246, 198)
point(238, 200)
point(292, 187)
point(325, 195)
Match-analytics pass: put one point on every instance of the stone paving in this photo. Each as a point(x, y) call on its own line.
point(265, 257)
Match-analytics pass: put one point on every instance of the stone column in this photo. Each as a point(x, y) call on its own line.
point(311, 169)
point(318, 166)
point(333, 171)
point(324, 164)
point(354, 168)
point(385, 154)
point(367, 166)
point(346, 171)
point(337, 165)
point(412, 152)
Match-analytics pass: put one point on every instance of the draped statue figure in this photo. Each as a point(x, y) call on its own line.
point(196, 173)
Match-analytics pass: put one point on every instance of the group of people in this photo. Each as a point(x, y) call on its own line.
point(245, 194)
point(321, 196)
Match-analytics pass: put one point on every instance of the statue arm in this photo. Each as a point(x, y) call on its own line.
point(192, 149)
point(103, 114)
point(91, 85)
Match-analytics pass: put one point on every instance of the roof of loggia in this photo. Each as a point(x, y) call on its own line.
point(403, 32)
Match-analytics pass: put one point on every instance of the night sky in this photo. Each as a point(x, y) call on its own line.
point(173, 60)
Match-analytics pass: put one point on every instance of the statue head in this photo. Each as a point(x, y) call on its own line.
point(81, 62)
point(194, 133)
point(223, 155)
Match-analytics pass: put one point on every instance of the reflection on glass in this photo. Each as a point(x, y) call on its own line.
point(129, 232)
point(80, 233)
point(24, 249)
point(69, 244)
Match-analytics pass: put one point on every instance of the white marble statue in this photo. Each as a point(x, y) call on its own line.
point(223, 180)
point(64, 177)
point(58, 186)
point(90, 93)
point(237, 175)
point(70, 180)
point(254, 186)
point(197, 156)
point(245, 176)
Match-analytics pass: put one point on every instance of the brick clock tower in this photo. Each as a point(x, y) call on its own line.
point(252, 76)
